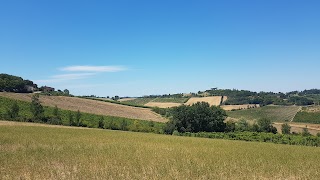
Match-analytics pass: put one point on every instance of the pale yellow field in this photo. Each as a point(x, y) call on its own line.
point(213, 100)
point(236, 107)
point(162, 105)
point(91, 106)
point(31, 152)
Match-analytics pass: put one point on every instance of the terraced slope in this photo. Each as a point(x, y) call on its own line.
point(91, 106)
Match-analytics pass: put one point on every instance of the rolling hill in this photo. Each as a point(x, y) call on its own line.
point(91, 106)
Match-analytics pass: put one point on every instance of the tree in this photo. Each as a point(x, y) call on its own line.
point(70, 119)
point(55, 119)
point(197, 118)
point(101, 122)
point(78, 118)
point(265, 125)
point(124, 125)
point(66, 92)
point(230, 126)
point(286, 128)
point(242, 125)
point(36, 108)
point(13, 112)
point(305, 132)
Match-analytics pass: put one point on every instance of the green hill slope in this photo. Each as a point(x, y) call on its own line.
point(274, 113)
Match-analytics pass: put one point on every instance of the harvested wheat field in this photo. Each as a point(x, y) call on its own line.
point(213, 100)
point(91, 106)
point(162, 105)
point(237, 107)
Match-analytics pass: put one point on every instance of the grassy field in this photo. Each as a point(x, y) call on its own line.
point(274, 113)
point(139, 101)
point(28, 152)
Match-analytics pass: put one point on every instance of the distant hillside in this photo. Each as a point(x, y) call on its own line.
point(91, 106)
point(273, 113)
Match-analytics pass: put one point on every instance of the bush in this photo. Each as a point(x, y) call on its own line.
point(285, 128)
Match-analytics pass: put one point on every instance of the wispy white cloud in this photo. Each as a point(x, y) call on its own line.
point(93, 68)
point(80, 72)
point(72, 76)
point(65, 77)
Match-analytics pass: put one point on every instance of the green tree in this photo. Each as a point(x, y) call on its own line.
point(242, 125)
point(13, 112)
point(78, 118)
point(56, 119)
point(70, 119)
point(124, 125)
point(101, 122)
point(36, 108)
point(286, 128)
point(66, 92)
point(197, 118)
point(265, 125)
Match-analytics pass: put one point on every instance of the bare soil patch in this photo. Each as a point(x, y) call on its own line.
point(91, 106)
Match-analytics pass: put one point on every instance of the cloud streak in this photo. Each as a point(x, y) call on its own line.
point(93, 68)
point(65, 77)
point(80, 72)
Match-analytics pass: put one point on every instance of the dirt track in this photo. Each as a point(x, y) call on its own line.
point(91, 106)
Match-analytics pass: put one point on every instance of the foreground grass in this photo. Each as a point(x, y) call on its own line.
point(28, 152)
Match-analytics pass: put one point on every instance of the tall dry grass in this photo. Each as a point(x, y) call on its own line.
point(29, 152)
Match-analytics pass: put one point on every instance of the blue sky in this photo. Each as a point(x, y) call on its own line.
point(134, 48)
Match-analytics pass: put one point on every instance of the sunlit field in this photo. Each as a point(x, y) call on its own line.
point(31, 151)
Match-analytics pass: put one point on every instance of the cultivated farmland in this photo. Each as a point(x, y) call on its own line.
point(30, 152)
point(91, 106)
point(239, 107)
point(274, 113)
point(213, 100)
point(162, 105)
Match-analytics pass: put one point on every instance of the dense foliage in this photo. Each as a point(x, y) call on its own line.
point(197, 118)
point(259, 137)
point(11, 83)
point(237, 97)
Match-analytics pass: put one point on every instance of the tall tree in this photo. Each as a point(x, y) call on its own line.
point(13, 112)
point(36, 108)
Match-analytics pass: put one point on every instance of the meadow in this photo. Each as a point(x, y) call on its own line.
point(54, 152)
